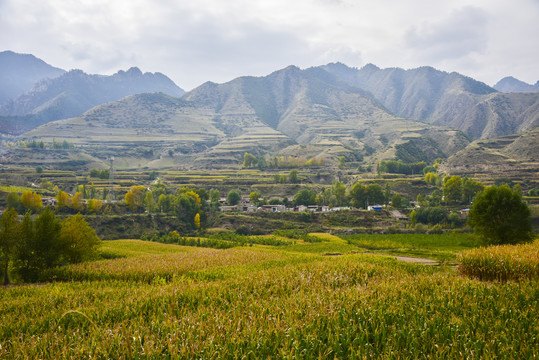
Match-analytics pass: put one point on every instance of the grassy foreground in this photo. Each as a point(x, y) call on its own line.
point(167, 301)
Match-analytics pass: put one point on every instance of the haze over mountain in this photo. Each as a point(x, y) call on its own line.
point(448, 99)
point(19, 73)
point(510, 84)
point(75, 92)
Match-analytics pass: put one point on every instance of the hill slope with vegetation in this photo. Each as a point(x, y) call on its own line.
point(306, 113)
point(447, 99)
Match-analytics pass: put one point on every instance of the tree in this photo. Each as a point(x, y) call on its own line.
point(134, 198)
point(94, 206)
point(31, 201)
point(293, 176)
point(9, 239)
point(453, 188)
point(339, 190)
point(149, 202)
point(249, 160)
point(164, 203)
point(63, 200)
point(358, 195)
point(233, 197)
point(396, 201)
point(13, 201)
point(197, 221)
point(186, 206)
point(470, 189)
point(305, 197)
point(76, 202)
point(375, 195)
point(500, 216)
point(215, 197)
point(254, 197)
point(431, 178)
point(387, 194)
point(78, 241)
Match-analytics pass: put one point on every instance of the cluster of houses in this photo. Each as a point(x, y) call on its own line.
point(245, 205)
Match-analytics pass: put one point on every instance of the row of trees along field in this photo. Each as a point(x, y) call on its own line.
point(42, 242)
point(190, 203)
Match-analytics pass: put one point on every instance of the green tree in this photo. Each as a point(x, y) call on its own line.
point(500, 216)
point(470, 189)
point(233, 197)
point(10, 232)
point(375, 195)
point(293, 176)
point(164, 203)
point(431, 178)
point(215, 198)
point(249, 160)
point(358, 195)
point(387, 194)
point(149, 202)
point(254, 197)
point(305, 197)
point(452, 189)
point(396, 201)
point(187, 205)
point(13, 201)
point(78, 241)
point(339, 190)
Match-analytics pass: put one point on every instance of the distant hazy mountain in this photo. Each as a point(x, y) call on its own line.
point(75, 92)
point(19, 73)
point(448, 99)
point(510, 84)
point(308, 113)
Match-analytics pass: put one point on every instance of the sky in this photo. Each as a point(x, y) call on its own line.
point(194, 41)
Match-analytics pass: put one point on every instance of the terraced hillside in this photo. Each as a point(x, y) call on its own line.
point(514, 156)
point(308, 113)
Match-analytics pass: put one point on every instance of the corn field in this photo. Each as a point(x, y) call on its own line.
point(502, 262)
point(263, 302)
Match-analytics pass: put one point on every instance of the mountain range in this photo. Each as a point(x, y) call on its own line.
point(366, 114)
point(69, 94)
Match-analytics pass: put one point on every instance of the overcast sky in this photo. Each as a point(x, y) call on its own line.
point(193, 41)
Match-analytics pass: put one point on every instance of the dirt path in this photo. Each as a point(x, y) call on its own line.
point(408, 259)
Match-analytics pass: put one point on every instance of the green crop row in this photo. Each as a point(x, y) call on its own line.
point(501, 263)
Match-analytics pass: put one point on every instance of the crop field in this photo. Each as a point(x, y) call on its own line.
point(151, 300)
point(502, 263)
point(439, 247)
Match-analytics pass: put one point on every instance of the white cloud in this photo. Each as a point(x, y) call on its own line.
point(195, 41)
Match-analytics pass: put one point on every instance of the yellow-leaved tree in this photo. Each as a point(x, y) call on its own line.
point(134, 198)
point(31, 201)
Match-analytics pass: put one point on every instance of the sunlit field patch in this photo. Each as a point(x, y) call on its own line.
point(501, 263)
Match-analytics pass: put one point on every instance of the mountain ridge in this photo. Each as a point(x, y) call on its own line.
point(19, 73)
point(447, 99)
point(75, 92)
point(510, 84)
